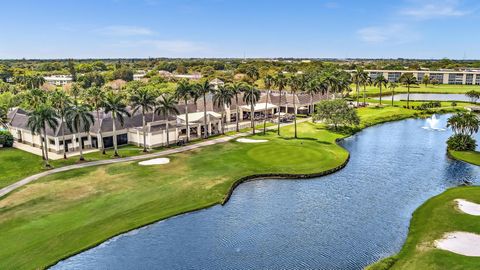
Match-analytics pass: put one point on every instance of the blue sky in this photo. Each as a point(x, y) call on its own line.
point(232, 28)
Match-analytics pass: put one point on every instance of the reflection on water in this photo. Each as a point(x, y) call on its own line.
point(342, 221)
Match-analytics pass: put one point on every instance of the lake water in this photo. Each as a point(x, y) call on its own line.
point(428, 97)
point(346, 220)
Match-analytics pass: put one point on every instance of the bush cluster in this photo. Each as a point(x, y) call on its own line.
point(6, 138)
point(429, 105)
point(461, 142)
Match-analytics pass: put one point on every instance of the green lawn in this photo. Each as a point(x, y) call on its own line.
point(429, 222)
point(472, 157)
point(17, 164)
point(65, 213)
point(439, 89)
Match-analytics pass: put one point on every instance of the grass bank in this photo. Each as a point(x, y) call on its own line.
point(472, 157)
point(429, 222)
point(436, 89)
point(66, 213)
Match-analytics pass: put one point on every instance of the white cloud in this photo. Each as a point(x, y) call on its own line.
point(124, 30)
point(430, 9)
point(392, 33)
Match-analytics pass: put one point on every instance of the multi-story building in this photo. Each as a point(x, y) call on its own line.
point(471, 77)
point(58, 80)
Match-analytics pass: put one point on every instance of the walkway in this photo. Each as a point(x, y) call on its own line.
point(4, 191)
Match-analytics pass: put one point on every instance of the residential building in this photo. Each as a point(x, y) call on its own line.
point(468, 77)
point(58, 80)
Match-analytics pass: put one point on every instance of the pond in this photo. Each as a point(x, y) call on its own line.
point(346, 220)
point(428, 97)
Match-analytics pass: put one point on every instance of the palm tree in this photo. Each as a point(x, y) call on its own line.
point(268, 81)
point(252, 74)
point(79, 119)
point(61, 102)
point(331, 81)
point(426, 80)
point(296, 83)
point(366, 80)
point(38, 120)
point(408, 80)
point(115, 104)
point(280, 82)
point(167, 106)
point(251, 96)
point(184, 92)
point(222, 97)
point(95, 96)
point(465, 123)
point(380, 82)
point(313, 87)
point(3, 117)
point(236, 89)
point(143, 100)
point(35, 98)
point(359, 77)
point(202, 89)
point(392, 87)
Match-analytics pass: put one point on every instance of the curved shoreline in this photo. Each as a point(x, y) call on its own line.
point(246, 179)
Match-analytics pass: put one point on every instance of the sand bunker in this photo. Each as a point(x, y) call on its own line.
point(468, 207)
point(155, 161)
point(463, 243)
point(243, 140)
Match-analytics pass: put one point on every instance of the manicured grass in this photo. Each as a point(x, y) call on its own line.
point(16, 164)
point(472, 157)
point(439, 89)
point(68, 212)
point(429, 222)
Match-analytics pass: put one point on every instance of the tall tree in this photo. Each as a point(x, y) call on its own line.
point(61, 102)
point(115, 105)
point(408, 80)
point(202, 89)
point(79, 119)
point(426, 80)
point(38, 120)
point(251, 96)
point(142, 100)
point(280, 82)
point(167, 105)
point(236, 89)
point(184, 92)
point(366, 81)
point(252, 74)
point(95, 96)
point(392, 87)
point(222, 97)
point(296, 84)
point(312, 88)
point(380, 82)
point(269, 81)
point(359, 78)
point(3, 117)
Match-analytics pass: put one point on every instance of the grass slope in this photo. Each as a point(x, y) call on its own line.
point(472, 157)
point(429, 222)
point(68, 212)
point(439, 89)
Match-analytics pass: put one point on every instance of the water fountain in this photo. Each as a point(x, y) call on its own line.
point(433, 123)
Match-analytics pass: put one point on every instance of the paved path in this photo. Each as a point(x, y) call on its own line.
point(4, 191)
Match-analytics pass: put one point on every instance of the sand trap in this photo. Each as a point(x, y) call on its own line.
point(468, 207)
point(463, 243)
point(155, 161)
point(243, 140)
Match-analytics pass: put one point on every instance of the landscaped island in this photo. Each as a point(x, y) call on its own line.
point(88, 206)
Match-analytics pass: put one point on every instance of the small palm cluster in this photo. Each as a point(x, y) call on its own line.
point(464, 126)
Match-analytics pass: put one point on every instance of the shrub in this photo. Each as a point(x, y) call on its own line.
point(454, 104)
point(429, 105)
point(6, 138)
point(461, 142)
